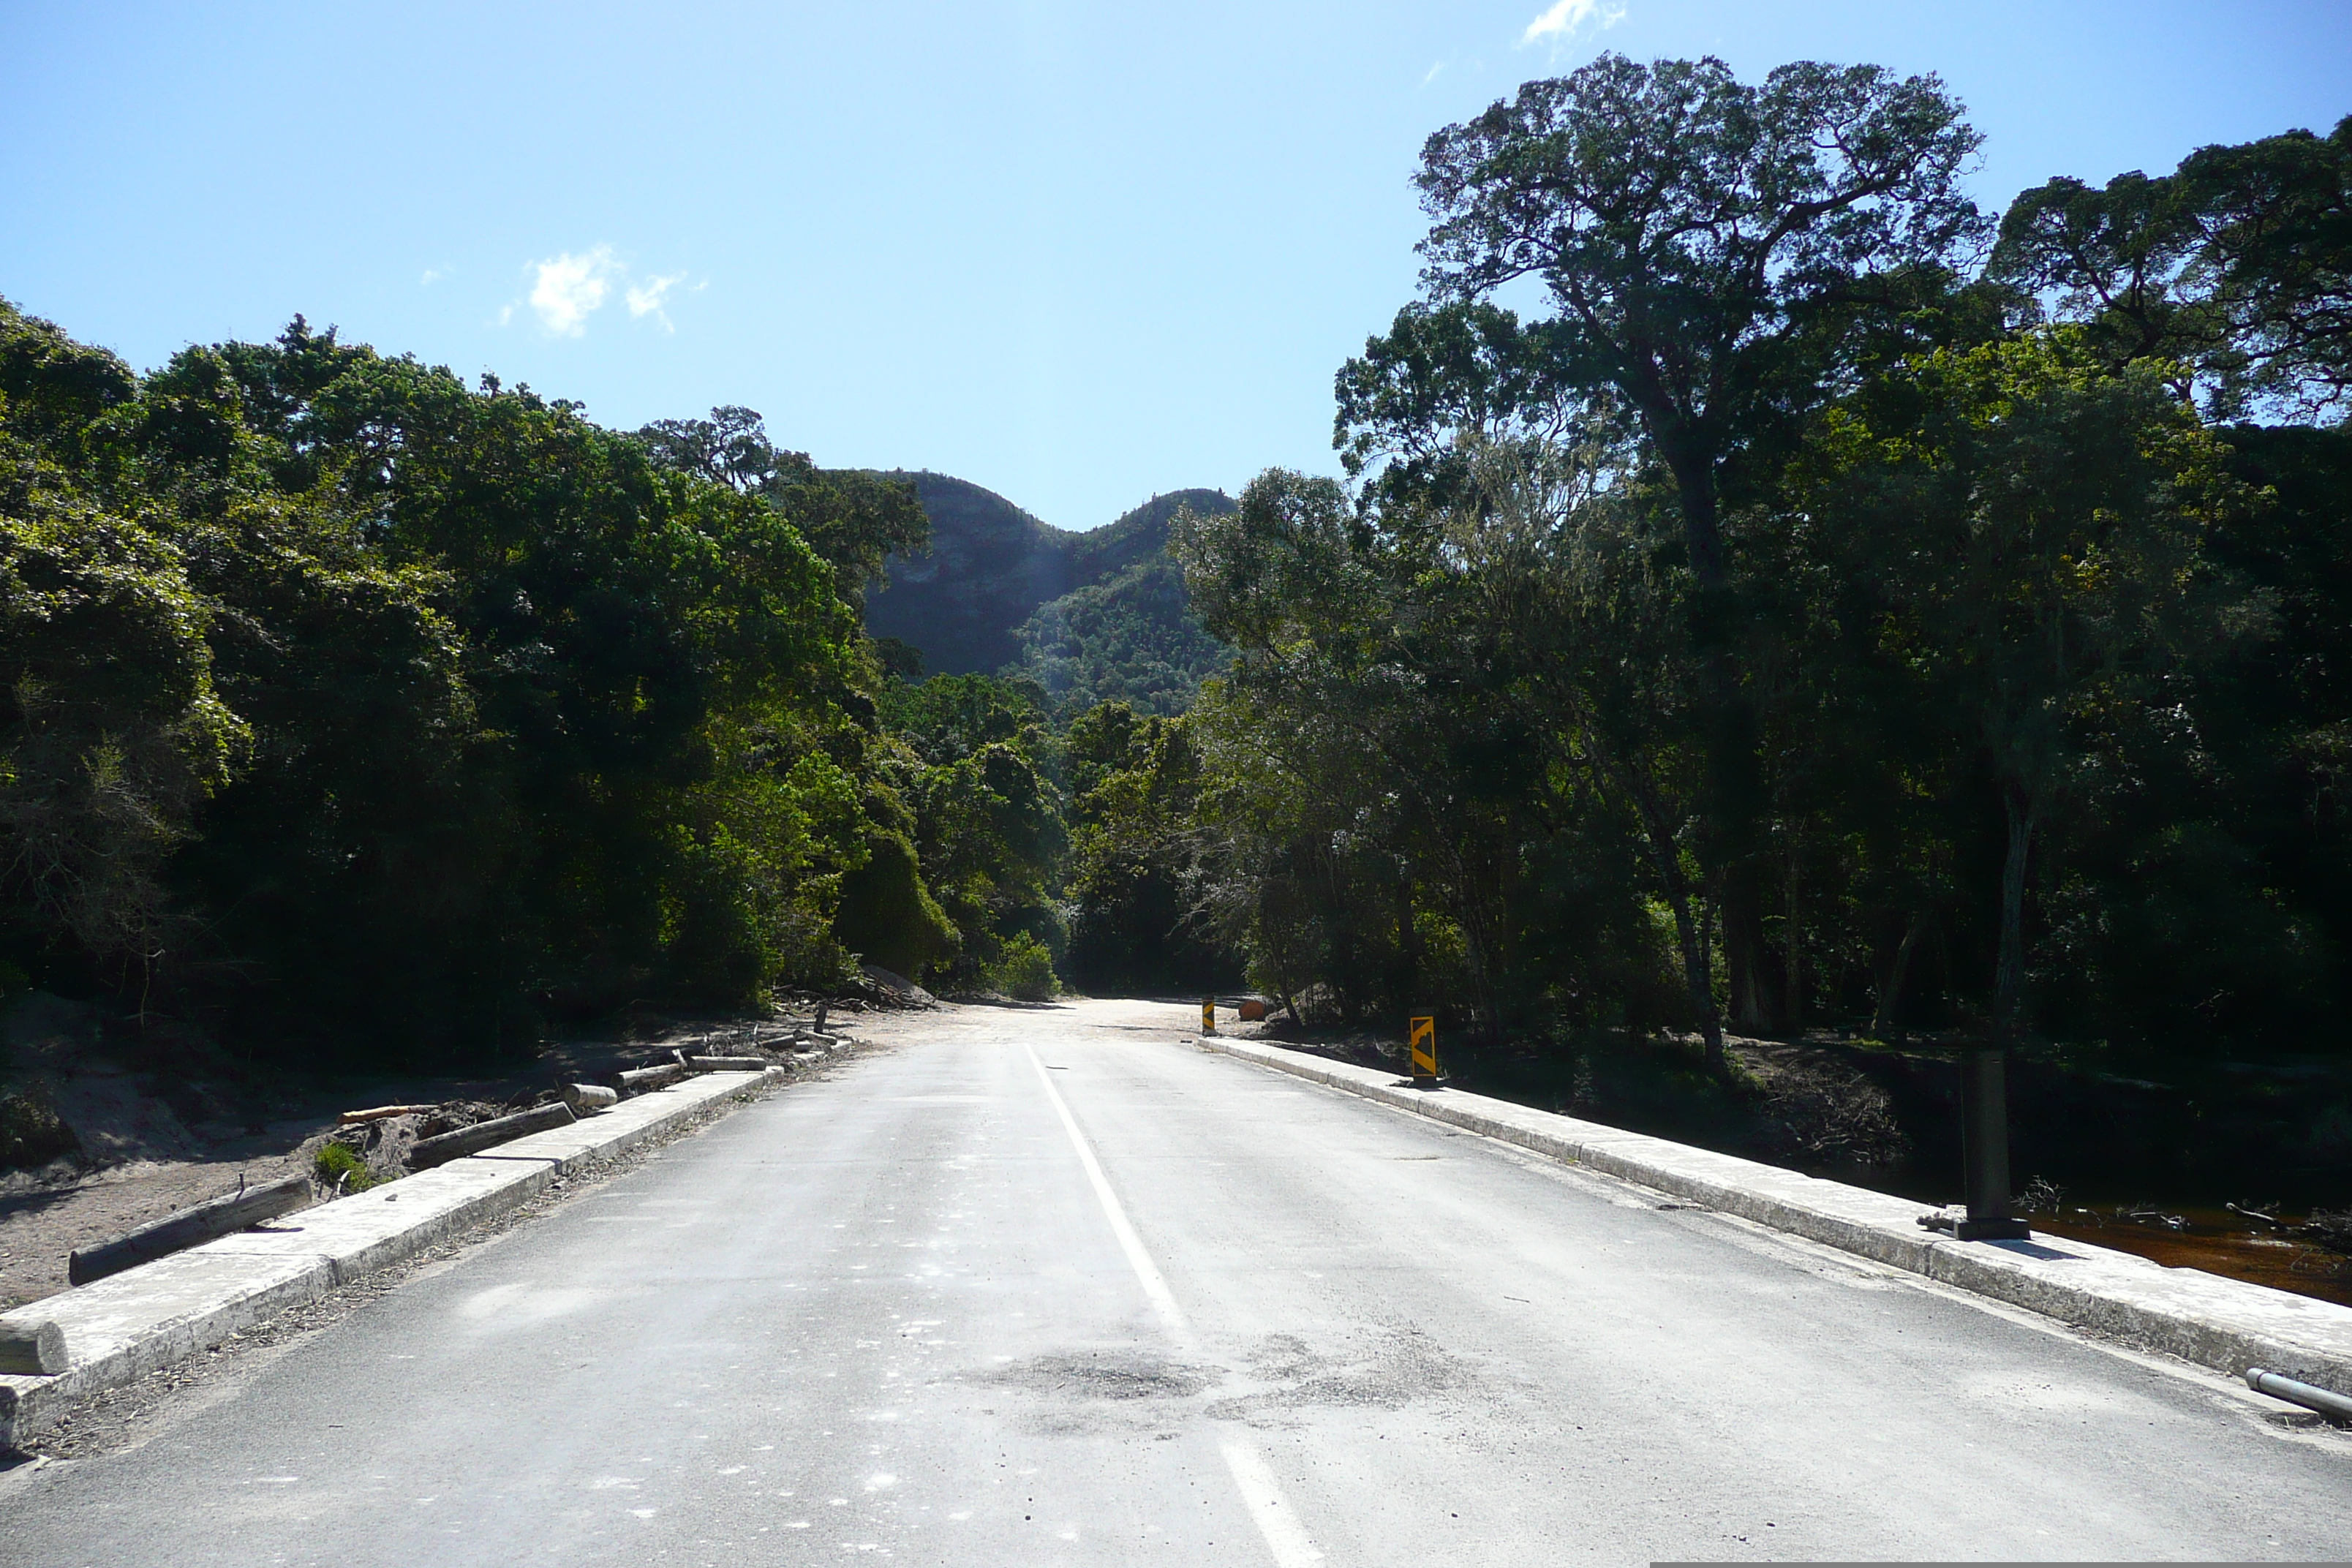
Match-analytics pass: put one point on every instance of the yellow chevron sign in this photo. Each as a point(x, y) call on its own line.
point(1208, 1015)
point(1423, 1039)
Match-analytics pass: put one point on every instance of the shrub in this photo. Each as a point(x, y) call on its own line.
point(341, 1167)
point(32, 1132)
point(1024, 970)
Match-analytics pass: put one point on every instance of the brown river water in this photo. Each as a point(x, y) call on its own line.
point(2220, 1243)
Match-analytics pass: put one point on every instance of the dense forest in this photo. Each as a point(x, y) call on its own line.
point(1768, 592)
point(1833, 602)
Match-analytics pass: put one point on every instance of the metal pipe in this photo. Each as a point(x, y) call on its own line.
point(2327, 1403)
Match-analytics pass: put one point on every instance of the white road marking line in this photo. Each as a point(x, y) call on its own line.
point(1276, 1521)
point(1154, 1288)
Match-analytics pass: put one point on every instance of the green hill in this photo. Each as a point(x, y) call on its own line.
point(993, 567)
point(1131, 638)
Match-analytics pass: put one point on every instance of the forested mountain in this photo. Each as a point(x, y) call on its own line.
point(992, 566)
point(1131, 639)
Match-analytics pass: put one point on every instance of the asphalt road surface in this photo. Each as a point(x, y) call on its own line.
point(1033, 1286)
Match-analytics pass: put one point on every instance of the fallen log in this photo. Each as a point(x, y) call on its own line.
point(638, 1080)
point(384, 1113)
point(32, 1350)
point(588, 1099)
point(727, 1064)
point(189, 1227)
point(483, 1135)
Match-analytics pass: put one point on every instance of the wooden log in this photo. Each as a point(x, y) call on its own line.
point(384, 1113)
point(727, 1064)
point(483, 1135)
point(638, 1080)
point(32, 1350)
point(588, 1099)
point(189, 1227)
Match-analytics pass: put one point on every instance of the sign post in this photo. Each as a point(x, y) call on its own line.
point(1421, 1039)
point(1208, 1015)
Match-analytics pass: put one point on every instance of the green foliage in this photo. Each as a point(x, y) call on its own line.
point(1135, 783)
point(342, 1168)
point(2029, 529)
point(1022, 970)
point(1131, 639)
point(358, 709)
point(888, 916)
point(978, 771)
point(111, 732)
point(2235, 270)
point(1785, 625)
point(32, 1133)
point(853, 520)
point(1703, 243)
point(991, 566)
point(1452, 739)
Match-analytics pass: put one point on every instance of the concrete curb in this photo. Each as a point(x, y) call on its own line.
point(2226, 1324)
point(122, 1327)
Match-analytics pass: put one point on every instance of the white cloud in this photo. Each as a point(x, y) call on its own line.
point(1430, 74)
point(645, 299)
point(1568, 17)
point(566, 289)
point(569, 289)
point(434, 275)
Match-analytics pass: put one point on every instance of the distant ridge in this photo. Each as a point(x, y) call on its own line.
point(992, 565)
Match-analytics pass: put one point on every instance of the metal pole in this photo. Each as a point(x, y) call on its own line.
point(1984, 1151)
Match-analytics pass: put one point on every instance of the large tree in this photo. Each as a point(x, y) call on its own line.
point(2033, 528)
point(1706, 247)
point(1717, 258)
point(2236, 269)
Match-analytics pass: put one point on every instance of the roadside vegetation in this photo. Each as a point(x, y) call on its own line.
point(1770, 597)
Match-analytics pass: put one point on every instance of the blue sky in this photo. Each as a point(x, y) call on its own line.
point(1078, 254)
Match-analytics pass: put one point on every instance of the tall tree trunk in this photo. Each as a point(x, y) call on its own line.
point(1666, 859)
point(1734, 800)
point(1698, 976)
point(1744, 949)
point(2008, 975)
point(1792, 947)
point(1890, 994)
point(1694, 470)
point(1408, 976)
point(1698, 967)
